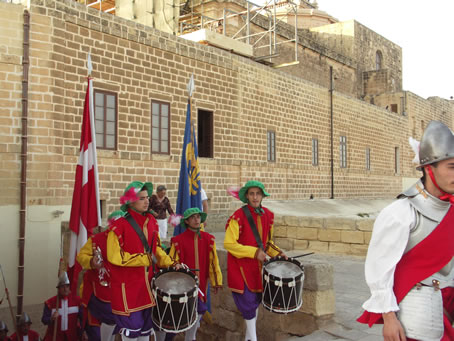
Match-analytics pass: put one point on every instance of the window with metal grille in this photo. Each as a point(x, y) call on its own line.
point(205, 134)
point(160, 127)
point(271, 145)
point(343, 151)
point(106, 119)
point(367, 158)
point(314, 152)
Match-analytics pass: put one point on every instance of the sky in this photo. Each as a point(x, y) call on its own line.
point(423, 29)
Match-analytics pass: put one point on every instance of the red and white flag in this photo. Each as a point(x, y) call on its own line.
point(85, 210)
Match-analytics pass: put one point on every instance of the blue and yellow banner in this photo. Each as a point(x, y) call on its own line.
point(189, 185)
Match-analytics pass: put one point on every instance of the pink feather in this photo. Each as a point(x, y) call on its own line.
point(234, 191)
point(129, 196)
point(175, 219)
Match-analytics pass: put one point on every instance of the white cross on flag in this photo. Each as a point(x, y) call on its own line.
point(85, 211)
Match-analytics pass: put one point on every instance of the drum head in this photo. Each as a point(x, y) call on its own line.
point(175, 283)
point(283, 269)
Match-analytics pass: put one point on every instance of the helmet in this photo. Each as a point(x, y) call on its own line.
point(24, 319)
point(63, 279)
point(437, 144)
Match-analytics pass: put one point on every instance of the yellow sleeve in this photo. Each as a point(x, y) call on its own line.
point(85, 255)
point(215, 270)
point(271, 249)
point(117, 256)
point(231, 242)
point(163, 259)
point(174, 254)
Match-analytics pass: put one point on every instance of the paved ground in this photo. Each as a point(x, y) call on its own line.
point(351, 291)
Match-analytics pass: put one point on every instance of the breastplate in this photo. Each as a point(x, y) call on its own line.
point(429, 212)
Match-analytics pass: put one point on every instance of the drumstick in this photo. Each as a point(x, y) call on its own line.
point(305, 254)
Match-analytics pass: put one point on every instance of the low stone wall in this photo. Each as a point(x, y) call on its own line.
point(344, 235)
point(318, 309)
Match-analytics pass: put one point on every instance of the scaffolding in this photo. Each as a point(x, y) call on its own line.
point(107, 6)
point(191, 21)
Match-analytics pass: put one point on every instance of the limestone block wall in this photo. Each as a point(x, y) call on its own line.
point(343, 235)
point(318, 308)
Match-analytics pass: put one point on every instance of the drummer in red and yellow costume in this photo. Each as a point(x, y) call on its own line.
point(134, 249)
point(100, 321)
point(245, 257)
point(197, 249)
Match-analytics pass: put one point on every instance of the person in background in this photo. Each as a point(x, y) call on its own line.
point(68, 315)
point(24, 333)
point(159, 206)
point(4, 332)
point(204, 198)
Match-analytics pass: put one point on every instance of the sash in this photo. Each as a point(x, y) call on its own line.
point(143, 239)
point(426, 258)
point(253, 227)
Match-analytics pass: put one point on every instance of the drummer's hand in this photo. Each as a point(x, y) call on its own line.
point(178, 266)
point(261, 256)
point(283, 255)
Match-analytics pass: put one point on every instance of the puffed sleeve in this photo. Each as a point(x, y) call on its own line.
point(389, 239)
point(232, 234)
point(117, 256)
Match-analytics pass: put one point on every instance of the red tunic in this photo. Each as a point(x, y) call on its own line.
point(67, 322)
point(248, 270)
point(91, 277)
point(194, 251)
point(130, 286)
point(32, 336)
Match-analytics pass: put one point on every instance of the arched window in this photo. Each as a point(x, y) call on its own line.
point(378, 60)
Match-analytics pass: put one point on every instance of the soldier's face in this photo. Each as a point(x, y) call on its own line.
point(24, 328)
point(444, 175)
point(64, 290)
point(254, 196)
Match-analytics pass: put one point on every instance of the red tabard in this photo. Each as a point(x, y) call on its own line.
point(426, 258)
point(91, 277)
point(248, 270)
point(130, 286)
point(72, 316)
point(32, 336)
point(196, 258)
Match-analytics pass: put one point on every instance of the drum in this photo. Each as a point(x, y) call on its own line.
point(282, 285)
point(176, 293)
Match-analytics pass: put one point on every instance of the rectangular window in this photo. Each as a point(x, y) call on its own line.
point(396, 160)
point(394, 108)
point(205, 133)
point(367, 158)
point(106, 119)
point(343, 152)
point(160, 124)
point(271, 145)
point(314, 152)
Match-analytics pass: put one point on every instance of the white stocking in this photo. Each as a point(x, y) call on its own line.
point(107, 332)
point(191, 333)
point(250, 330)
point(159, 335)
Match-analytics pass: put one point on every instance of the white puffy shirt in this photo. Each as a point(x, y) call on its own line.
point(387, 245)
